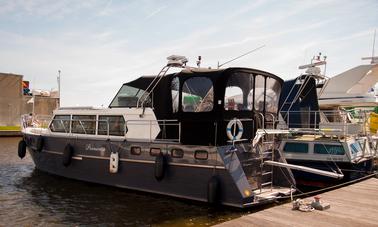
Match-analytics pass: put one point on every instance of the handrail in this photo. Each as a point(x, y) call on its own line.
point(151, 87)
point(159, 123)
point(150, 123)
point(327, 121)
point(262, 118)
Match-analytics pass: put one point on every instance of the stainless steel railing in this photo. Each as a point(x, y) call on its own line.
point(337, 122)
point(105, 128)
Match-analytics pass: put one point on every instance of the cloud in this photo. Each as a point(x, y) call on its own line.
point(110, 42)
point(155, 12)
point(43, 8)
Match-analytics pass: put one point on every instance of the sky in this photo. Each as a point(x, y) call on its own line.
point(98, 45)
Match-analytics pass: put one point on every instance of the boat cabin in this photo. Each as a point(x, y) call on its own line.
point(205, 101)
point(320, 148)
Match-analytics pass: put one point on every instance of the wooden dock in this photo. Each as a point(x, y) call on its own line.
point(352, 205)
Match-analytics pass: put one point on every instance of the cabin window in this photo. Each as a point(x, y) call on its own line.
point(135, 150)
point(111, 125)
point(128, 96)
point(296, 147)
point(355, 148)
point(233, 98)
point(175, 94)
point(201, 155)
point(259, 93)
point(239, 92)
point(155, 151)
point(273, 90)
point(197, 95)
point(83, 124)
point(177, 153)
point(61, 123)
point(329, 149)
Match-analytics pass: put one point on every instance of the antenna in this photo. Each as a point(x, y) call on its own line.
point(312, 67)
point(374, 59)
point(372, 53)
point(59, 87)
point(220, 65)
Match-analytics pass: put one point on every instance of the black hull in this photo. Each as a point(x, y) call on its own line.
point(182, 180)
point(351, 172)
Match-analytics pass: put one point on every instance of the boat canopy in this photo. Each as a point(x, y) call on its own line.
point(205, 101)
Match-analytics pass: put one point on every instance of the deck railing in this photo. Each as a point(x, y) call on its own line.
point(170, 130)
point(338, 122)
point(36, 121)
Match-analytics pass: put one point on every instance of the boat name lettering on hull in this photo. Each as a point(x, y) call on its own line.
point(90, 147)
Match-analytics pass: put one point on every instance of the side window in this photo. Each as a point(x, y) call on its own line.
point(197, 95)
point(233, 98)
point(60, 123)
point(259, 93)
point(83, 124)
point(329, 149)
point(296, 147)
point(355, 148)
point(273, 90)
point(175, 94)
point(239, 92)
point(114, 125)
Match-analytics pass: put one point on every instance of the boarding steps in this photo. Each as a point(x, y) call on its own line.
point(264, 144)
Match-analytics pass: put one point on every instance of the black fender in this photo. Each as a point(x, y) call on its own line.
point(40, 143)
point(21, 149)
point(213, 190)
point(160, 166)
point(67, 155)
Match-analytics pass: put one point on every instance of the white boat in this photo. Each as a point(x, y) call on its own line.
point(352, 88)
point(324, 136)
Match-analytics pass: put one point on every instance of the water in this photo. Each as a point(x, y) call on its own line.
point(29, 197)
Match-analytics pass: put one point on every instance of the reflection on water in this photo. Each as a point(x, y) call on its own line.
point(31, 197)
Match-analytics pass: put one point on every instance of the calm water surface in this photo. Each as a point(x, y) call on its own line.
point(29, 197)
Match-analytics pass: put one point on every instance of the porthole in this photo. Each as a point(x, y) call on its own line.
point(177, 153)
point(155, 151)
point(201, 155)
point(135, 150)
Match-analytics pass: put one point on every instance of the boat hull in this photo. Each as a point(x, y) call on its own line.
point(91, 159)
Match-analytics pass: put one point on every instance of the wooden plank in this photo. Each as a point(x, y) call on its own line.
point(353, 205)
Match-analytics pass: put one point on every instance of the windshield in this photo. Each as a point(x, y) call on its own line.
point(355, 148)
point(128, 96)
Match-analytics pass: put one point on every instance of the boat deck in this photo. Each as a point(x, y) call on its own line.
point(271, 193)
point(353, 205)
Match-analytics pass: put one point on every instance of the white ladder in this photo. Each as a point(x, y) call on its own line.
point(266, 148)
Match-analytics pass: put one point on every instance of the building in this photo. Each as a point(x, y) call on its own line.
point(16, 100)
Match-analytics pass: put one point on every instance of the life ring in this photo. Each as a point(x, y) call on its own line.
point(21, 149)
point(234, 122)
point(67, 155)
point(160, 166)
point(213, 190)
